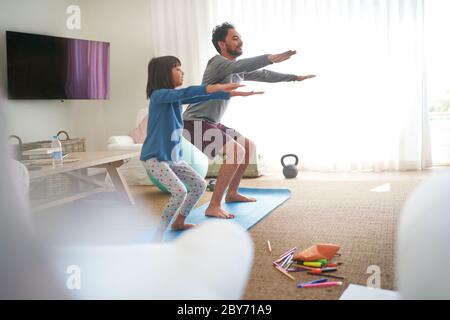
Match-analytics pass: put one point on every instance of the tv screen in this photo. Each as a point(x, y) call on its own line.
point(46, 67)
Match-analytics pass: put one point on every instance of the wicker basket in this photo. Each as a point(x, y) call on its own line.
point(68, 145)
point(57, 184)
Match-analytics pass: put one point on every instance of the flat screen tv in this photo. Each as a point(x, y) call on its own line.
point(47, 67)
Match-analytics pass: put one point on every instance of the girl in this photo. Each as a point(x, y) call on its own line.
point(161, 152)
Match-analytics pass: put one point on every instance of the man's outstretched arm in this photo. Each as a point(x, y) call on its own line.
point(220, 67)
point(271, 76)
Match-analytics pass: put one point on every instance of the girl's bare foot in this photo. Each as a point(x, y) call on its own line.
point(179, 223)
point(238, 198)
point(218, 212)
point(183, 226)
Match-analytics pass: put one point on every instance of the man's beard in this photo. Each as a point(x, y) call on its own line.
point(234, 53)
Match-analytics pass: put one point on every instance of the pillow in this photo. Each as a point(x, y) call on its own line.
point(140, 133)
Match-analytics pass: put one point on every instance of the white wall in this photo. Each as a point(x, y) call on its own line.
point(126, 25)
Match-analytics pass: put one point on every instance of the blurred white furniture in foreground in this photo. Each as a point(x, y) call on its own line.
point(423, 236)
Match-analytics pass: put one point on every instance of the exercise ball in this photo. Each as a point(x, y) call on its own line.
point(422, 253)
point(193, 157)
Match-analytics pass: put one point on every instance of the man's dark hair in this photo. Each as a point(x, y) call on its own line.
point(220, 33)
point(160, 73)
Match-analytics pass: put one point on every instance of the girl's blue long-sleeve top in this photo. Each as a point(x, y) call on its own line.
point(165, 120)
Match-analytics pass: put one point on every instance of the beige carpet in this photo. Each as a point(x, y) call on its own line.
point(343, 212)
point(338, 211)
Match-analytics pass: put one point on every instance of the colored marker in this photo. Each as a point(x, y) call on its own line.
point(327, 275)
point(297, 270)
point(331, 265)
point(300, 285)
point(288, 263)
point(302, 267)
point(288, 252)
point(284, 262)
point(319, 280)
point(312, 264)
point(284, 255)
point(317, 271)
point(322, 285)
point(322, 263)
point(268, 245)
point(283, 272)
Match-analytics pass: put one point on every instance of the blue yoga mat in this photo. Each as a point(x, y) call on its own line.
point(246, 214)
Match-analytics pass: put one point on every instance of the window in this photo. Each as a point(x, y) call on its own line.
point(437, 26)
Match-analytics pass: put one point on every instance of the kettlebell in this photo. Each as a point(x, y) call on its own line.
point(290, 171)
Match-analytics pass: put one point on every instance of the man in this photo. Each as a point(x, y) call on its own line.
point(204, 117)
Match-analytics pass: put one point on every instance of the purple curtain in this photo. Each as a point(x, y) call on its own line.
point(87, 70)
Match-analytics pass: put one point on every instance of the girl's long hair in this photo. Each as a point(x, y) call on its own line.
point(160, 73)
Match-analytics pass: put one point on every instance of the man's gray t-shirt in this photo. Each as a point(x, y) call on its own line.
point(222, 70)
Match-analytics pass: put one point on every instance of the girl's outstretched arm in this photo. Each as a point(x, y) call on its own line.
point(222, 91)
point(194, 94)
point(173, 95)
point(220, 95)
point(214, 91)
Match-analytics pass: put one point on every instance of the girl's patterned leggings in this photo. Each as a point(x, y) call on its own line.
point(174, 177)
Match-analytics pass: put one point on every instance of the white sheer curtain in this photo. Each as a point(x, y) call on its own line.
point(366, 110)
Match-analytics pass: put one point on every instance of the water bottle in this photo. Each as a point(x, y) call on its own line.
point(57, 156)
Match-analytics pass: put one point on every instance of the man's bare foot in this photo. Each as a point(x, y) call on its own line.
point(238, 198)
point(218, 212)
point(179, 223)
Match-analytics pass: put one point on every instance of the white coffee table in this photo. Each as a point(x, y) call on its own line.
point(75, 163)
